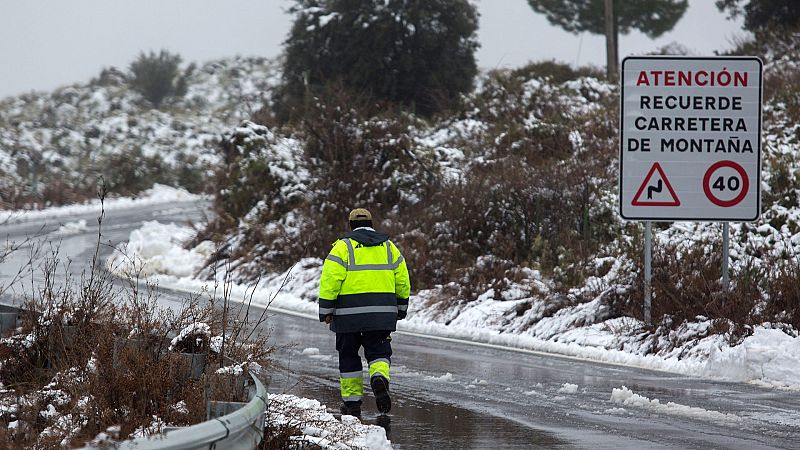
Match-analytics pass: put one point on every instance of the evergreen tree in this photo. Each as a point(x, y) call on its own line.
point(419, 53)
point(651, 17)
point(761, 15)
point(158, 76)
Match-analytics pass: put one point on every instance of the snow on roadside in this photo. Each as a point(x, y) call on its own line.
point(158, 194)
point(319, 428)
point(626, 397)
point(568, 388)
point(313, 353)
point(768, 357)
point(448, 377)
point(156, 248)
point(78, 226)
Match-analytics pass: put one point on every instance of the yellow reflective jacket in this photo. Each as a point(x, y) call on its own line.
point(364, 283)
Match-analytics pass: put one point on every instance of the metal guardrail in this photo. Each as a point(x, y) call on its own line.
point(242, 429)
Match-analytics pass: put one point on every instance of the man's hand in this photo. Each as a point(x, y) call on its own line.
point(329, 319)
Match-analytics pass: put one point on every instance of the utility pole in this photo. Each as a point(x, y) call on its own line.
point(611, 41)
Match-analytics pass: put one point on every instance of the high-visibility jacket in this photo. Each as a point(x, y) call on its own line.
point(364, 283)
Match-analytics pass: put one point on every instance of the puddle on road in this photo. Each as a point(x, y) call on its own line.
point(415, 422)
point(422, 424)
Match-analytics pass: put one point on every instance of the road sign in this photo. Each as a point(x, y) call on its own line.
point(690, 138)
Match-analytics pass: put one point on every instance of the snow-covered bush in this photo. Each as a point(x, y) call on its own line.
point(523, 181)
point(360, 159)
point(159, 77)
point(286, 197)
point(533, 190)
point(555, 72)
point(261, 185)
point(300, 423)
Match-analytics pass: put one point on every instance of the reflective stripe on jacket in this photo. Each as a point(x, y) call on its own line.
point(363, 286)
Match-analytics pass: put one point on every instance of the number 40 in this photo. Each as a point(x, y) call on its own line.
point(733, 183)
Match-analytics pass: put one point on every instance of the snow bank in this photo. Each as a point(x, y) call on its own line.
point(319, 428)
point(156, 248)
point(768, 356)
point(158, 194)
point(448, 377)
point(69, 228)
point(626, 397)
point(568, 388)
point(313, 353)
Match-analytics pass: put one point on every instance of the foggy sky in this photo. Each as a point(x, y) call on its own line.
point(48, 43)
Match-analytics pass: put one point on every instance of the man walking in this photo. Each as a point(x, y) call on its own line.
point(363, 291)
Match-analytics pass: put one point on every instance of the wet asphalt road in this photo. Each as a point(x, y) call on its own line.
point(492, 398)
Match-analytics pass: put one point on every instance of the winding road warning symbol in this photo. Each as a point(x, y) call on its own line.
point(656, 190)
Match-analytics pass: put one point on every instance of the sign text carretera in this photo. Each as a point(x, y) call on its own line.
point(690, 146)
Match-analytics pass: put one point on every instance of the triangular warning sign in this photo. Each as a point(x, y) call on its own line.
point(656, 190)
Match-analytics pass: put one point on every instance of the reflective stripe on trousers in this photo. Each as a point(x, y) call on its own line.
point(351, 386)
point(379, 368)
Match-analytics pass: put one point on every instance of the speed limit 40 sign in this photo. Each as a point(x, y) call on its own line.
point(690, 138)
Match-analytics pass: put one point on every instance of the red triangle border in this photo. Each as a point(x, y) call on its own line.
point(656, 167)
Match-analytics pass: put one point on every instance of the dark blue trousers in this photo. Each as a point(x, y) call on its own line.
point(378, 351)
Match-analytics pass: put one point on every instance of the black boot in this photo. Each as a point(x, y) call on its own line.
point(351, 408)
point(380, 387)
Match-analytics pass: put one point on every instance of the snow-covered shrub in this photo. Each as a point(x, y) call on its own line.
point(257, 161)
point(514, 198)
point(520, 176)
point(299, 423)
point(159, 77)
point(261, 185)
point(534, 191)
point(287, 198)
point(686, 284)
point(193, 338)
point(782, 303)
point(554, 72)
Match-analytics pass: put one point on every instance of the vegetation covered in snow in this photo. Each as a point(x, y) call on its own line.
point(54, 146)
point(90, 361)
point(511, 200)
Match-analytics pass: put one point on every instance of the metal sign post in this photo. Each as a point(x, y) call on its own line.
point(725, 252)
point(648, 256)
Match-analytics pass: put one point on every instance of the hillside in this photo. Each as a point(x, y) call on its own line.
point(54, 146)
